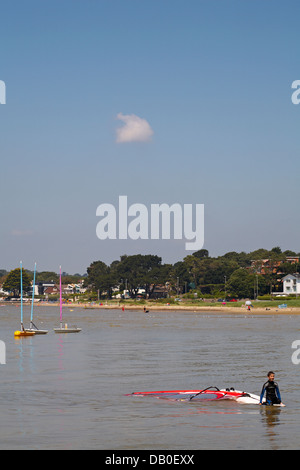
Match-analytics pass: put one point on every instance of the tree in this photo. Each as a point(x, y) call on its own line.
point(46, 277)
point(261, 253)
point(288, 268)
point(242, 284)
point(289, 253)
point(140, 271)
point(196, 269)
point(243, 259)
point(203, 271)
point(276, 250)
point(13, 281)
point(99, 277)
point(181, 271)
point(217, 269)
point(201, 253)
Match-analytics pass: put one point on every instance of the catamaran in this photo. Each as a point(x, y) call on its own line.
point(209, 394)
point(22, 332)
point(33, 327)
point(65, 328)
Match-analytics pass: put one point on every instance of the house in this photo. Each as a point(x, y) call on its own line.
point(291, 284)
point(73, 288)
point(3, 292)
point(51, 290)
point(159, 291)
point(265, 266)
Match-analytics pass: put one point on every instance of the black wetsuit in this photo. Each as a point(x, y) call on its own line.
point(272, 393)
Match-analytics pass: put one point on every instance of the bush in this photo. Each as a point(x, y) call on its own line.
point(268, 297)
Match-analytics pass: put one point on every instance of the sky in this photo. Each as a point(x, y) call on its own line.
point(163, 101)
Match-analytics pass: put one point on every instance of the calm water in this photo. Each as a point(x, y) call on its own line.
point(67, 391)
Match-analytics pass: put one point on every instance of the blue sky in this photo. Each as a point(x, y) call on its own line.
point(213, 81)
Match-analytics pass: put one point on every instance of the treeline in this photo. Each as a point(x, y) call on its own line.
point(235, 275)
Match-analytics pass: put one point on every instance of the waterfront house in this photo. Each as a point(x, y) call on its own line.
point(51, 290)
point(291, 284)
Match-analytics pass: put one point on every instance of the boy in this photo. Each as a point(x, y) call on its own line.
point(272, 391)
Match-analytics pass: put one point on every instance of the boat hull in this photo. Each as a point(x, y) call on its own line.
point(67, 330)
point(36, 332)
point(21, 334)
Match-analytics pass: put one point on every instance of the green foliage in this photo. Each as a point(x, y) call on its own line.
point(197, 272)
point(243, 283)
point(47, 277)
point(100, 277)
point(13, 281)
point(132, 272)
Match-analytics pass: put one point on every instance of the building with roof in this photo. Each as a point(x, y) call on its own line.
point(291, 284)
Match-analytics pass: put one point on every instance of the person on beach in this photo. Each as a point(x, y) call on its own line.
point(272, 391)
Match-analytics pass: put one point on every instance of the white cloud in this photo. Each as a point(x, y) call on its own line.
point(135, 129)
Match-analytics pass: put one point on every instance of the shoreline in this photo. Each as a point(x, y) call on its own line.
point(164, 308)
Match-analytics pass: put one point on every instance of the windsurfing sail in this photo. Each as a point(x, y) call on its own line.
point(209, 394)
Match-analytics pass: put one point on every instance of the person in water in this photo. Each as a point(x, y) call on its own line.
point(271, 389)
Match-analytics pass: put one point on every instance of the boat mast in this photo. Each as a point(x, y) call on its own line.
point(22, 326)
point(60, 297)
point(33, 289)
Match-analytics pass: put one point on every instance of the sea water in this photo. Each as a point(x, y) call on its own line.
point(69, 391)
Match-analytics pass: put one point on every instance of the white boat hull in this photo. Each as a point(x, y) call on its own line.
point(37, 332)
point(67, 330)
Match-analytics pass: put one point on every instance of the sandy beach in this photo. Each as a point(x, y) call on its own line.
point(242, 310)
point(224, 309)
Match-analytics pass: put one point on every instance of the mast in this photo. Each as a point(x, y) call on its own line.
point(60, 297)
point(33, 289)
point(22, 326)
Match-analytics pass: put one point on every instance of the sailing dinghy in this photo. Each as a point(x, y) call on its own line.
point(22, 332)
point(65, 328)
point(33, 328)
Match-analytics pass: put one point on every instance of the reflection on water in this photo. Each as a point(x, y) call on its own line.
point(270, 417)
point(68, 391)
point(25, 348)
point(60, 349)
